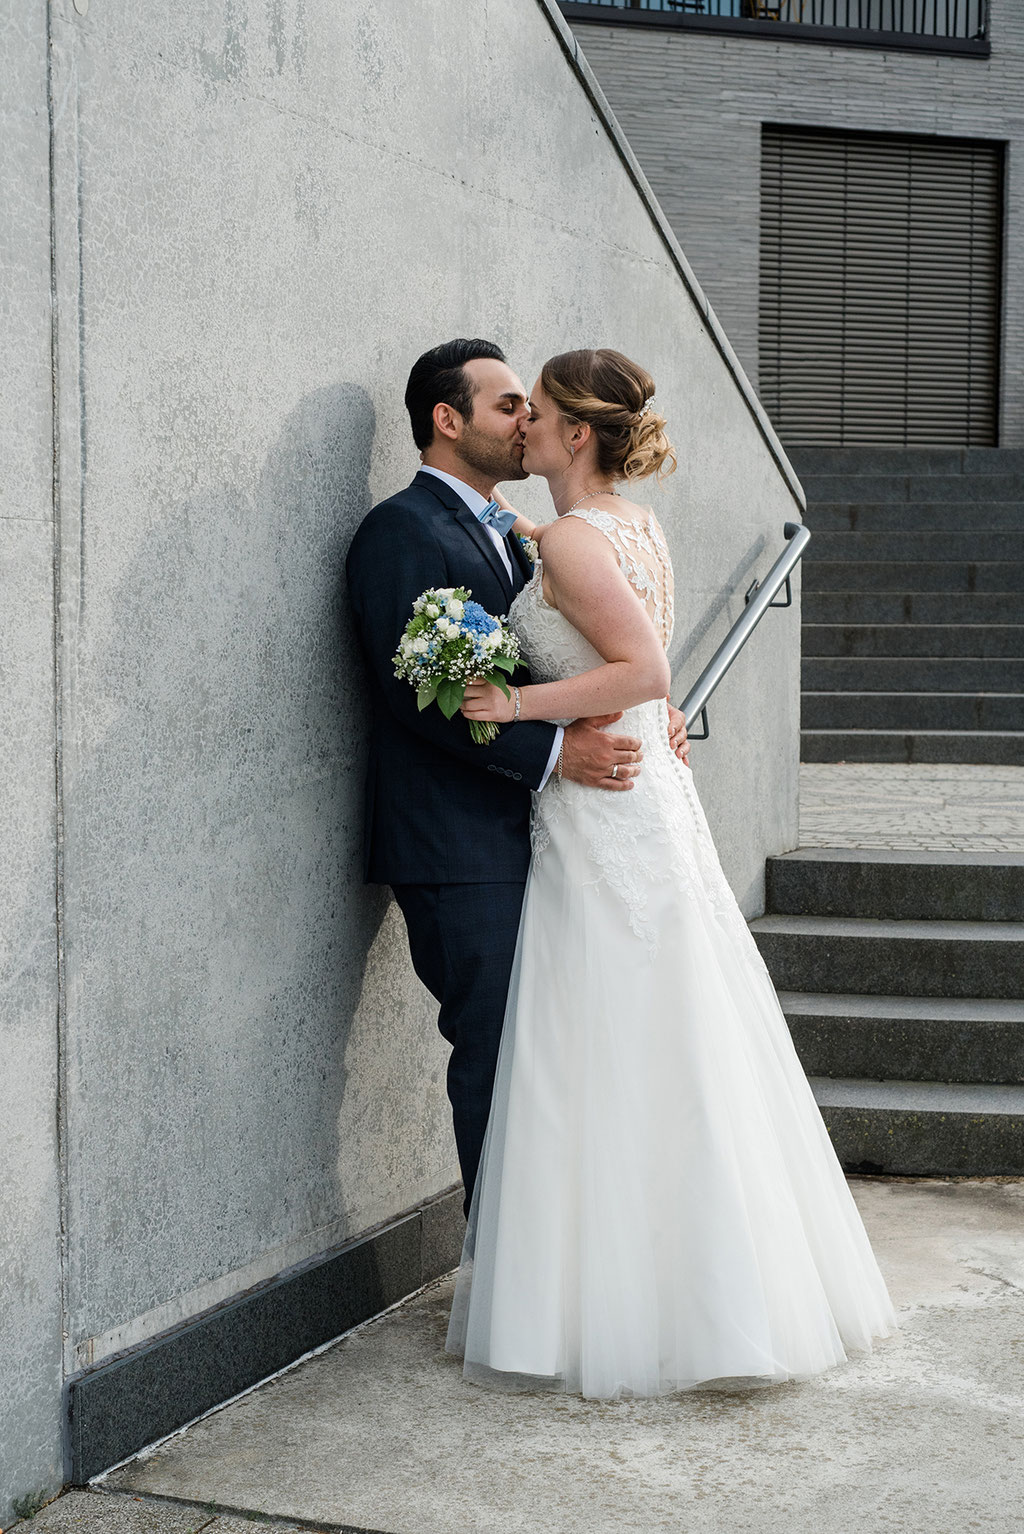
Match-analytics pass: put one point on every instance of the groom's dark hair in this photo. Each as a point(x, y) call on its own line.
point(437, 378)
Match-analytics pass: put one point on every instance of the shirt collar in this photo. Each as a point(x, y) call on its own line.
point(473, 499)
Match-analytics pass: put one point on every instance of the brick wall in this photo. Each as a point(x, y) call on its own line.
point(692, 106)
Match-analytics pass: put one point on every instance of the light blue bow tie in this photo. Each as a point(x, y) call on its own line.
point(493, 516)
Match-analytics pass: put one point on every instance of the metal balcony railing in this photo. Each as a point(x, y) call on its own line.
point(964, 21)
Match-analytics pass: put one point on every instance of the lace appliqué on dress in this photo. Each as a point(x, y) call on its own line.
point(644, 561)
point(657, 834)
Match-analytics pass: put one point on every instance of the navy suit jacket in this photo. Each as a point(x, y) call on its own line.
point(439, 809)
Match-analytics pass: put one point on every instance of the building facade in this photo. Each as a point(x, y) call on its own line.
point(846, 177)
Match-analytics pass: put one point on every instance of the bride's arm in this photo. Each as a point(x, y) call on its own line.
point(589, 589)
point(522, 525)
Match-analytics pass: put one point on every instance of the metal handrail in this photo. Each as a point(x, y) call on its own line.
point(759, 597)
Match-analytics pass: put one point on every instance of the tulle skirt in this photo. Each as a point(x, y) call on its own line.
point(659, 1205)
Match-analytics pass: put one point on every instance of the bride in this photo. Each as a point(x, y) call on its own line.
point(659, 1205)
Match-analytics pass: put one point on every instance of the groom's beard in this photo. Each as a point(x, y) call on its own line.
point(497, 459)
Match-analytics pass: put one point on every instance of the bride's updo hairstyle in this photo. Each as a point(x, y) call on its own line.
point(613, 397)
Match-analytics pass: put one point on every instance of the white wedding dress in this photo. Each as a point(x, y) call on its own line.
point(658, 1205)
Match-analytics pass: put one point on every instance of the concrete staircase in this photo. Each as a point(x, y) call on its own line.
point(913, 605)
point(901, 976)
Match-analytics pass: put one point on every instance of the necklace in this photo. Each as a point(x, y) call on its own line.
point(584, 496)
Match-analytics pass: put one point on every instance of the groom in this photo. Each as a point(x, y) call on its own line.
point(447, 821)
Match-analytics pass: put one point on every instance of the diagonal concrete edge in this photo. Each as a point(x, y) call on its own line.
point(603, 109)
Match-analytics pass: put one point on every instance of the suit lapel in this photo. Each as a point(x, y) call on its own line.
point(520, 560)
point(466, 520)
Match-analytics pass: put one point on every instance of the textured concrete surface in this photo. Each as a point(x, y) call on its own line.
point(925, 1433)
point(241, 397)
point(905, 883)
point(143, 1395)
point(693, 104)
point(91, 1512)
point(912, 805)
point(30, 1292)
point(307, 196)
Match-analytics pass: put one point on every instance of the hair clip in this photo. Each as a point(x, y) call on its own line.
point(647, 405)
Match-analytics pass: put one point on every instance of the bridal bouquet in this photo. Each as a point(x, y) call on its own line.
point(450, 641)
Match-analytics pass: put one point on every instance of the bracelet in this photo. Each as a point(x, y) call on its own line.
point(558, 764)
point(519, 702)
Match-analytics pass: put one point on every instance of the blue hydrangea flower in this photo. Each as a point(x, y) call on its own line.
point(476, 621)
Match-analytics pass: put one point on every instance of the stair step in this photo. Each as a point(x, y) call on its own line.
point(900, 544)
point(907, 1038)
point(966, 488)
point(917, 516)
point(910, 711)
point(912, 673)
point(869, 955)
point(943, 640)
point(911, 607)
point(896, 885)
point(924, 1128)
point(995, 748)
point(906, 460)
point(953, 575)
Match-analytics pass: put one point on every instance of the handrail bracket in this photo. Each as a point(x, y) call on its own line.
point(759, 597)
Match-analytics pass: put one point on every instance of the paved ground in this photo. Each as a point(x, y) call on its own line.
point(935, 808)
point(91, 1512)
point(380, 1432)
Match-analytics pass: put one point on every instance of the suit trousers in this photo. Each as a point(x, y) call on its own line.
point(462, 939)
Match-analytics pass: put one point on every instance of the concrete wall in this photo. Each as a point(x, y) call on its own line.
point(30, 1267)
point(261, 214)
point(692, 106)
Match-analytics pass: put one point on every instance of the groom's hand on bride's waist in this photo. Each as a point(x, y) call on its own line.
point(600, 760)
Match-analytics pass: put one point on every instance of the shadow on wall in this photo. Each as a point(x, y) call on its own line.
point(218, 928)
point(715, 616)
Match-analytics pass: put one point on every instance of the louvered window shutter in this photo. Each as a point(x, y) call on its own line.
point(880, 287)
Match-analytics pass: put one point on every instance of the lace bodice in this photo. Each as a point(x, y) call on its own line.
point(554, 648)
point(644, 561)
point(658, 831)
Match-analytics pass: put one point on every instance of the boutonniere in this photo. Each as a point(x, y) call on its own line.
point(531, 548)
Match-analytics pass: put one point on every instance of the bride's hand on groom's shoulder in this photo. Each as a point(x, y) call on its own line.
point(522, 526)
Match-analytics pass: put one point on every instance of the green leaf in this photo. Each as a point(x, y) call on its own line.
point(505, 662)
point(426, 695)
point(450, 696)
point(497, 680)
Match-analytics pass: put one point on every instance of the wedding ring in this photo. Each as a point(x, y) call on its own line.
point(615, 770)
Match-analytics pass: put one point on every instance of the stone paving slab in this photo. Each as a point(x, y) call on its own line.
point(381, 1432)
point(103, 1512)
point(912, 805)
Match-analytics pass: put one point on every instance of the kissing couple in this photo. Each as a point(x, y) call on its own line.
point(653, 1201)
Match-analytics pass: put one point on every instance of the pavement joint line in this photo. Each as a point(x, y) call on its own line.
point(256, 1517)
point(96, 1481)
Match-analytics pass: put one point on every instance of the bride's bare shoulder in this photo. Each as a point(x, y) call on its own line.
point(573, 531)
point(627, 511)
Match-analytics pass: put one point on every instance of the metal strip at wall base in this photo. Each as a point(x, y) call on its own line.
point(142, 1395)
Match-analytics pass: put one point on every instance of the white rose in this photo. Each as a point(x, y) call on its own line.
point(419, 645)
point(431, 609)
point(455, 609)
